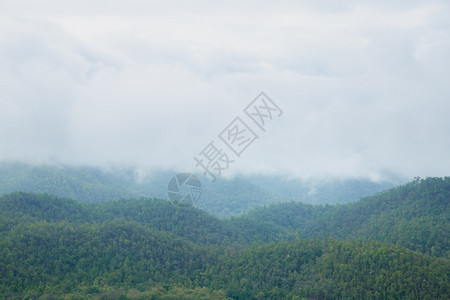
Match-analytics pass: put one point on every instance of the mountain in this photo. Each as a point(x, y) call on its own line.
point(79, 183)
point(223, 198)
point(189, 223)
point(330, 269)
point(147, 248)
point(330, 191)
point(415, 215)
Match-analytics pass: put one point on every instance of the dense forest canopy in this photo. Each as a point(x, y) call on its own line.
point(393, 245)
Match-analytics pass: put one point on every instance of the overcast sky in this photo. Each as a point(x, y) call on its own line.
point(364, 85)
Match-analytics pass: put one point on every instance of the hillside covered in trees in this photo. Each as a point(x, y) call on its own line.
point(222, 198)
point(415, 215)
point(394, 245)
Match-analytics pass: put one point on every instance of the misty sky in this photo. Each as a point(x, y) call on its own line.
point(364, 85)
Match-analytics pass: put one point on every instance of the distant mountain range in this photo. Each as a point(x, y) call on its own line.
point(222, 198)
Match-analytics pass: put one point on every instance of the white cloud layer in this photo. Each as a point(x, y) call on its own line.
point(363, 84)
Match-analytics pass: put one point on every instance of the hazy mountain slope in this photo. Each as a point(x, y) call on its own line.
point(322, 191)
point(415, 215)
point(222, 198)
point(189, 223)
point(79, 183)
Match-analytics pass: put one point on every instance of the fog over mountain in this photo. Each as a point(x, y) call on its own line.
point(363, 85)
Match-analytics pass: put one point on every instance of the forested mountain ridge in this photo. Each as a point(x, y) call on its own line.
point(415, 215)
point(222, 198)
point(186, 222)
point(79, 183)
point(123, 260)
point(150, 249)
point(331, 269)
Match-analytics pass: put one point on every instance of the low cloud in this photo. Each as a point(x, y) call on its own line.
point(363, 86)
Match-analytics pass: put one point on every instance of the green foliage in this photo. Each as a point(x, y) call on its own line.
point(53, 248)
point(415, 215)
point(330, 269)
